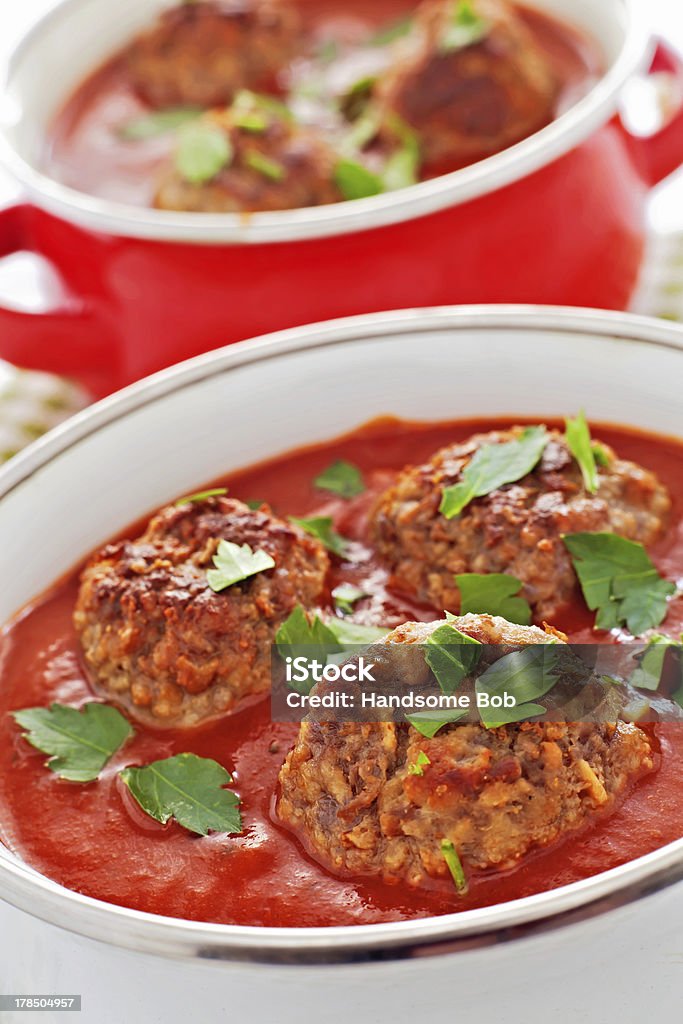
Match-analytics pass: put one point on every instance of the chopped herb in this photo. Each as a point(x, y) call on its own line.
point(619, 581)
point(190, 789)
point(246, 101)
point(234, 563)
point(79, 742)
point(362, 132)
point(493, 594)
point(346, 595)
point(148, 126)
point(351, 633)
point(254, 504)
point(492, 466)
point(600, 454)
point(450, 855)
point(391, 32)
point(195, 499)
point(298, 630)
point(342, 478)
point(402, 167)
point(250, 121)
point(451, 655)
point(526, 675)
point(419, 764)
point(264, 165)
point(465, 27)
point(355, 181)
point(202, 152)
point(578, 437)
point(428, 724)
point(321, 528)
point(648, 674)
point(355, 100)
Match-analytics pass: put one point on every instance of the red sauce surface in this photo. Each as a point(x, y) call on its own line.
point(84, 148)
point(95, 840)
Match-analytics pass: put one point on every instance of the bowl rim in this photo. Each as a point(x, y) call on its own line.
point(26, 889)
point(515, 162)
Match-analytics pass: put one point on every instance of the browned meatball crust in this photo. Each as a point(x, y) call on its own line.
point(283, 167)
point(516, 529)
point(201, 53)
point(469, 101)
point(155, 637)
point(348, 792)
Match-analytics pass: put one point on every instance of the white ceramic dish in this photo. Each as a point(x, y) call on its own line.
point(600, 950)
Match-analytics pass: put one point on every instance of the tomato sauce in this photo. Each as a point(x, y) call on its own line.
point(95, 840)
point(85, 148)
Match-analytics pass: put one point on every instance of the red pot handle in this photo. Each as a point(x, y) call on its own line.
point(661, 154)
point(65, 339)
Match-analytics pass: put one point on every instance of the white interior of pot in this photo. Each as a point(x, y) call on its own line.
point(235, 417)
point(81, 34)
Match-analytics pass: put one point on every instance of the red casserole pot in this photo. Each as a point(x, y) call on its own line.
point(558, 218)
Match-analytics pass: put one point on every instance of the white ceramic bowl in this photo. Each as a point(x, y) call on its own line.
point(603, 950)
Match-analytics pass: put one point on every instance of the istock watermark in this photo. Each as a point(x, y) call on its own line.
point(491, 684)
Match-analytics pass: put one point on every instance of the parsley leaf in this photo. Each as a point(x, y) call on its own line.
point(321, 528)
point(493, 594)
point(492, 466)
point(451, 655)
point(428, 723)
point(578, 437)
point(465, 27)
point(346, 595)
point(148, 126)
point(418, 765)
point(648, 674)
point(234, 563)
point(188, 788)
point(450, 855)
point(619, 581)
point(351, 633)
point(194, 499)
point(202, 152)
point(300, 631)
point(526, 674)
point(79, 742)
point(355, 181)
point(600, 454)
point(264, 165)
point(342, 478)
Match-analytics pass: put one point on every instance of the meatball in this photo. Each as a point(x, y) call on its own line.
point(160, 642)
point(516, 529)
point(470, 91)
point(280, 166)
point(351, 793)
point(201, 53)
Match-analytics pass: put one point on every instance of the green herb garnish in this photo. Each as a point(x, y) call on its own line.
point(428, 724)
point(264, 165)
point(234, 562)
point(648, 674)
point(321, 528)
point(454, 864)
point(79, 741)
point(254, 503)
point(190, 789)
point(342, 478)
point(578, 437)
point(493, 594)
point(148, 126)
point(619, 581)
point(202, 152)
point(465, 27)
point(492, 466)
point(300, 631)
point(195, 499)
point(355, 181)
point(246, 101)
point(600, 454)
point(527, 675)
point(250, 121)
point(451, 655)
point(352, 633)
point(417, 767)
point(346, 595)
